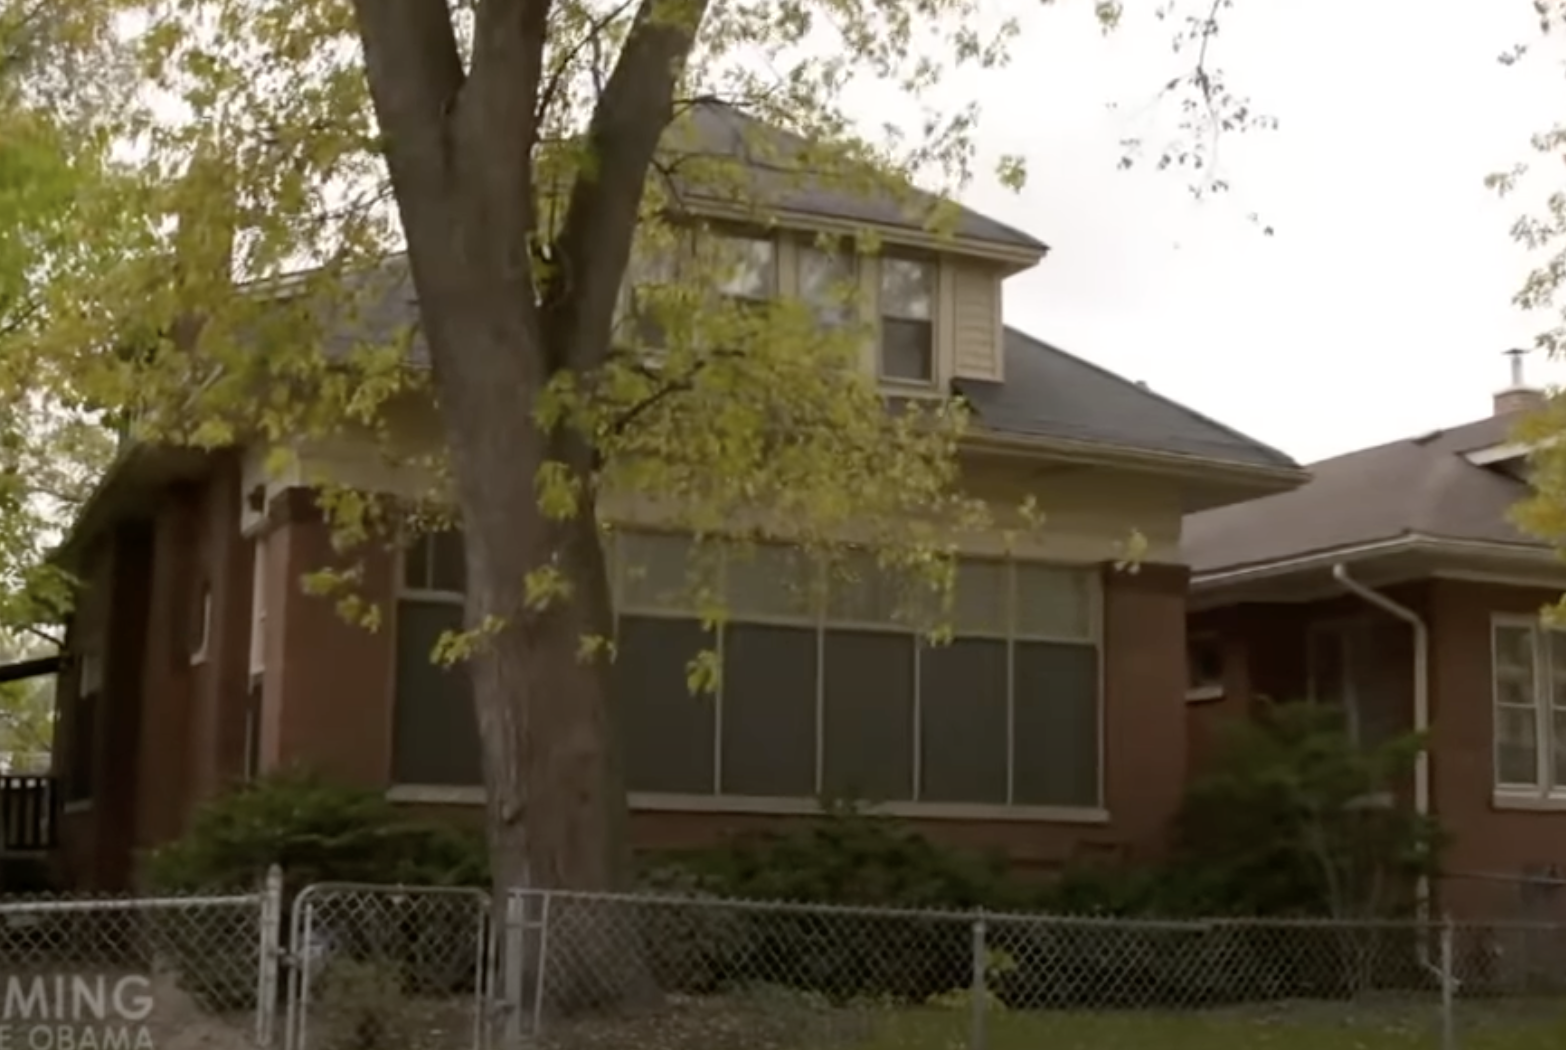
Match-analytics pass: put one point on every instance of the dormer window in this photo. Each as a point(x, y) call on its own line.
point(644, 277)
point(828, 279)
point(907, 331)
point(747, 269)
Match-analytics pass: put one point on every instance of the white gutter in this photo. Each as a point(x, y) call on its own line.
point(1525, 554)
point(1421, 708)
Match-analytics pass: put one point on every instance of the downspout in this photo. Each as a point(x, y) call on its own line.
point(1421, 713)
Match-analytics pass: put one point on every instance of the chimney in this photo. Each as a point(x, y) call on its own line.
point(1518, 395)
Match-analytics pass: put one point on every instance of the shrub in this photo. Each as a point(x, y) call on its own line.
point(315, 831)
point(843, 858)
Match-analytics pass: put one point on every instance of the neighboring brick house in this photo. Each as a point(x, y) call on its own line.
point(1394, 584)
point(1051, 727)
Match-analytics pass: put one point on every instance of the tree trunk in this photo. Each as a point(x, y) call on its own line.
point(460, 151)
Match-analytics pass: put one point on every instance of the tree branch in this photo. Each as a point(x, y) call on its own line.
point(39, 632)
point(415, 72)
point(594, 245)
point(546, 97)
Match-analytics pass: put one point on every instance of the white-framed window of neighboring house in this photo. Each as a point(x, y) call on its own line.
point(201, 623)
point(1528, 681)
point(907, 315)
point(822, 690)
point(1204, 667)
point(828, 279)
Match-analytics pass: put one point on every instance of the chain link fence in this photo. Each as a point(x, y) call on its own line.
point(388, 967)
point(124, 971)
point(603, 970)
point(354, 967)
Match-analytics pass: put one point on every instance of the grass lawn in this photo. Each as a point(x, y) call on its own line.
point(773, 1022)
point(1303, 1026)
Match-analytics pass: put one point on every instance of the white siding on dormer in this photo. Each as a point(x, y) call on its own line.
point(976, 324)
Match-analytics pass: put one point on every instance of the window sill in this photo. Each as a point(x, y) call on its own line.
point(435, 794)
point(81, 805)
point(1528, 802)
point(1203, 693)
point(912, 389)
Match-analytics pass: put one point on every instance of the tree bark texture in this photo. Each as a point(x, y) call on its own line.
point(459, 149)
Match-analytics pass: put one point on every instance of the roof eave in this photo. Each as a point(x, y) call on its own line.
point(139, 468)
point(1408, 543)
point(1014, 257)
point(1261, 478)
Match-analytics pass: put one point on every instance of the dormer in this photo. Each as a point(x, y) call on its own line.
point(925, 275)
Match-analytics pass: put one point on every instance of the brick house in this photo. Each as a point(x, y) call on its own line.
point(1051, 727)
point(1394, 584)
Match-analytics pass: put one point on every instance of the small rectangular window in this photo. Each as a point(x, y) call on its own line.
point(907, 327)
point(435, 562)
point(746, 268)
point(828, 284)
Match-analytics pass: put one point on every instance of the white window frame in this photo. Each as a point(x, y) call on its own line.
point(199, 654)
point(774, 264)
point(932, 266)
point(258, 607)
point(830, 313)
point(1543, 792)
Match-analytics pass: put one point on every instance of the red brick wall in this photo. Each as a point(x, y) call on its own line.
point(1486, 839)
point(327, 689)
point(328, 697)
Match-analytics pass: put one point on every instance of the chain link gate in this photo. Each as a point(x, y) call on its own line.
point(411, 961)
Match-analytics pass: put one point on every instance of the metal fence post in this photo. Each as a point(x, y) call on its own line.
point(979, 985)
point(271, 956)
point(512, 940)
point(1448, 987)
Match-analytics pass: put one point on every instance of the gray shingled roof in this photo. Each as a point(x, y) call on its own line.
point(1047, 393)
point(718, 130)
point(1420, 486)
point(1050, 393)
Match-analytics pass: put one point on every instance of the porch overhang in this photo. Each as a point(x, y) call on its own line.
point(1383, 563)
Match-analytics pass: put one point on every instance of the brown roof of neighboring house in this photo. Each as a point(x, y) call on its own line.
point(1419, 486)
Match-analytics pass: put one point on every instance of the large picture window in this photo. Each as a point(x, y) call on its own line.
point(823, 691)
point(1528, 677)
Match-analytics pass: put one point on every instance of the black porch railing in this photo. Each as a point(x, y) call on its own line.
point(29, 812)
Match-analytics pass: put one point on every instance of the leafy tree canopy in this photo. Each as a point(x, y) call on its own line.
point(288, 170)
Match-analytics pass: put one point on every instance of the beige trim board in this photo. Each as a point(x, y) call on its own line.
point(1017, 257)
point(452, 795)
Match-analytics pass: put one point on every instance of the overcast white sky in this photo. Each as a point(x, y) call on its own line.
point(1381, 306)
